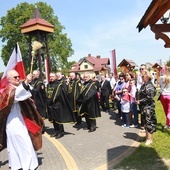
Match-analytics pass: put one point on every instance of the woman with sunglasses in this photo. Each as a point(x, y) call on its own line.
point(139, 76)
point(147, 105)
point(118, 92)
point(139, 82)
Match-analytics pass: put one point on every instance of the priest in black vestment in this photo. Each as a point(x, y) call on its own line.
point(61, 108)
point(88, 102)
point(39, 94)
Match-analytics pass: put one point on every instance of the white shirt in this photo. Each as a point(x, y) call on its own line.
point(139, 81)
point(112, 82)
point(165, 88)
point(125, 106)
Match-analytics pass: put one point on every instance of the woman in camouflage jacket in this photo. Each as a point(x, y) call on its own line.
point(147, 105)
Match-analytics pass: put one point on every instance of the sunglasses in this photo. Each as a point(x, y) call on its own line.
point(141, 68)
point(15, 77)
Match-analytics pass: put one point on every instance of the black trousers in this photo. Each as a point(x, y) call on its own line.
point(58, 127)
point(78, 118)
point(91, 123)
point(104, 102)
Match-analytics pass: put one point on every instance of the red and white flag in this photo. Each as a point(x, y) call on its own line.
point(15, 62)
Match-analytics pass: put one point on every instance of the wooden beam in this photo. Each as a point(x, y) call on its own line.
point(160, 35)
point(161, 28)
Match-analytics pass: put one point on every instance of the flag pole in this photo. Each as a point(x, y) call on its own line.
point(32, 60)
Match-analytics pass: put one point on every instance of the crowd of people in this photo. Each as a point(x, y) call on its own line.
point(69, 100)
point(134, 96)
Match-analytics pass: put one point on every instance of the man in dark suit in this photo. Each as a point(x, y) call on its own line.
point(105, 93)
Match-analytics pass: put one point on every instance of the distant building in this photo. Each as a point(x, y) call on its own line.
point(127, 65)
point(149, 65)
point(94, 65)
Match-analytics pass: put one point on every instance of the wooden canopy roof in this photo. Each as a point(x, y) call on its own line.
point(153, 14)
point(37, 23)
point(126, 62)
point(156, 65)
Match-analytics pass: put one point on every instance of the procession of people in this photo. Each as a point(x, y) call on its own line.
point(74, 101)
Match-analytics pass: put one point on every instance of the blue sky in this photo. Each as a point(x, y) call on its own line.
point(98, 26)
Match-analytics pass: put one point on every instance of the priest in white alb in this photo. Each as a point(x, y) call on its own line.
point(20, 123)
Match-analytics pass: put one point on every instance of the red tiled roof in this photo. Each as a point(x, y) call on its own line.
point(76, 67)
point(98, 63)
point(35, 21)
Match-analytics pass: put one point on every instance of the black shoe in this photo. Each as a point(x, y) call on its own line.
point(86, 128)
point(54, 134)
point(92, 130)
point(76, 125)
point(59, 136)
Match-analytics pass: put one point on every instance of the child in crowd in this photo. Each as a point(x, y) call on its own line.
point(125, 107)
point(133, 105)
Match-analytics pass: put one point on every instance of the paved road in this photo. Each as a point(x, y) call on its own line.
point(81, 150)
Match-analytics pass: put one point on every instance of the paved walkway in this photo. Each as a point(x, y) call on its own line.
point(81, 150)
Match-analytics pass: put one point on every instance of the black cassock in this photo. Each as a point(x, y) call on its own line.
point(88, 100)
point(39, 96)
point(61, 111)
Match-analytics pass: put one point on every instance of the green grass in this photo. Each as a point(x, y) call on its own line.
point(151, 158)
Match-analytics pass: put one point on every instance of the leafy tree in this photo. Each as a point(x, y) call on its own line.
point(60, 46)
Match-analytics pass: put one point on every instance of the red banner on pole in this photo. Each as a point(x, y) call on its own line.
point(114, 62)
